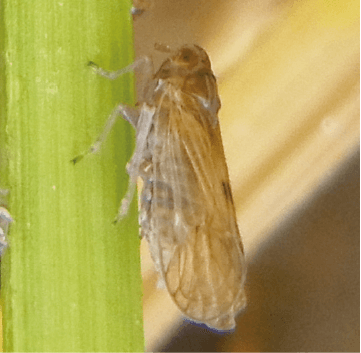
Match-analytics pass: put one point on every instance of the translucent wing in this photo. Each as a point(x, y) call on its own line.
point(197, 246)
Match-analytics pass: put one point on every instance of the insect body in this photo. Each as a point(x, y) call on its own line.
point(187, 213)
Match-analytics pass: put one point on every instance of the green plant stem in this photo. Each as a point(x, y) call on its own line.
point(70, 278)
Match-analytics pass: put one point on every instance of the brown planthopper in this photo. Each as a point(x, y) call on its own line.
point(187, 213)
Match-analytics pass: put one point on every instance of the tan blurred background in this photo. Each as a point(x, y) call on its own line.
point(288, 74)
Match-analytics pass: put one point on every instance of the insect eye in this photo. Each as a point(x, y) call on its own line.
point(165, 72)
point(186, 55)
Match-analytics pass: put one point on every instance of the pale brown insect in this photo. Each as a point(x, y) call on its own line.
point(187, 213)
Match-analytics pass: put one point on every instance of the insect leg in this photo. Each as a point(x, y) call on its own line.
point(124, 206)
point(143, 65)
point(128, 113)
point(5, 215)
point(5, 219)
point(143, 126)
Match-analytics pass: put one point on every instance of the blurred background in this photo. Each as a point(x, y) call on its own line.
point(288, 75)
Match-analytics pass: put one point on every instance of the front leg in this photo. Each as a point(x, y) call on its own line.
point(143, 66)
